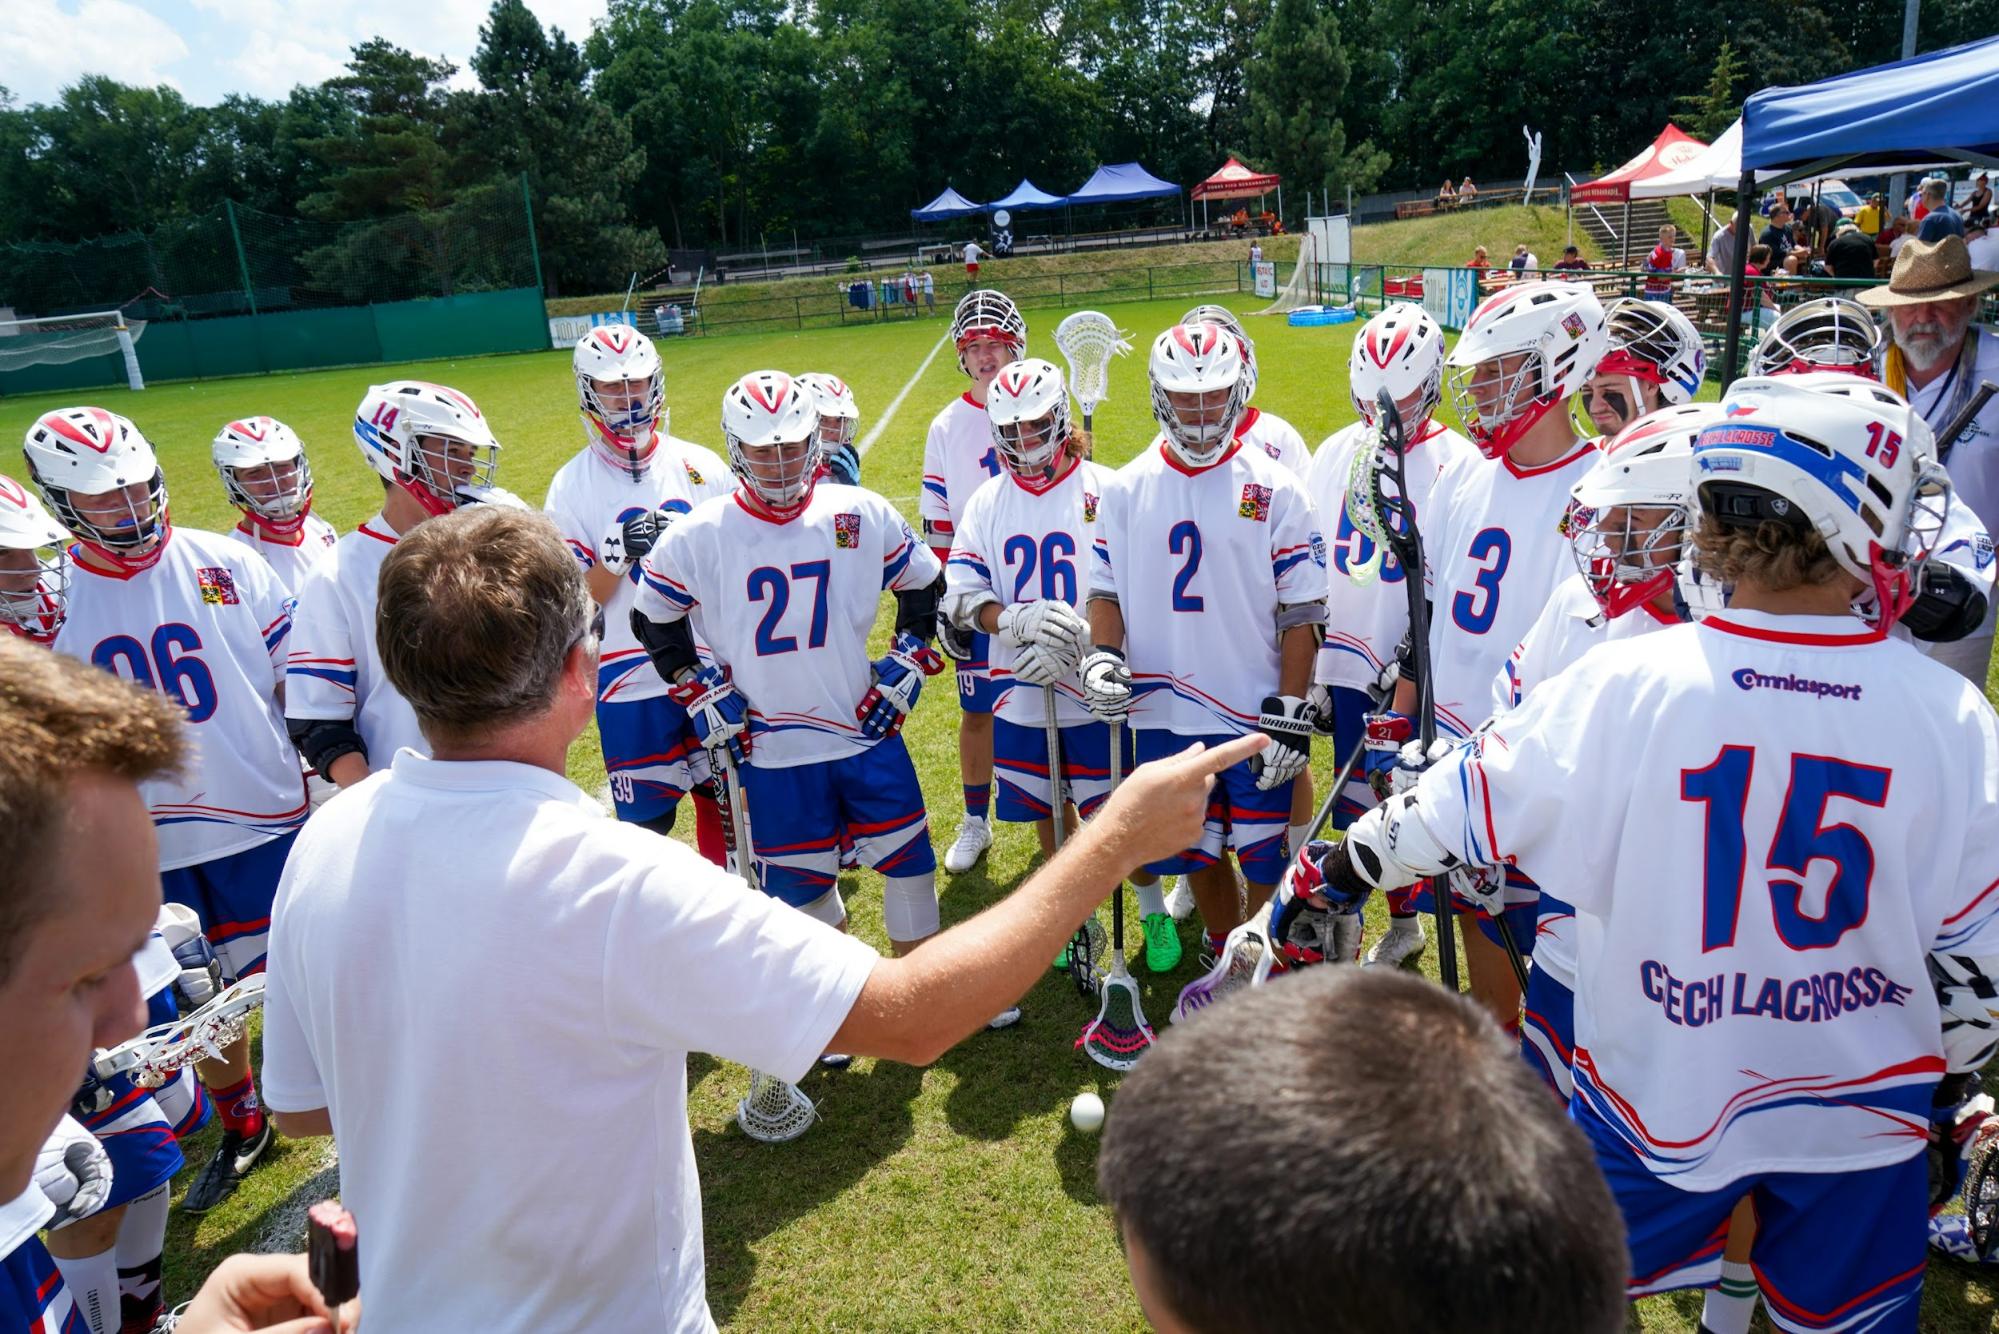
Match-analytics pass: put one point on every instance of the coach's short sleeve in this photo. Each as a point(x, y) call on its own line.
point(698, 961)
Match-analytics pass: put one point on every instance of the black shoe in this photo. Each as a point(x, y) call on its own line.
point(225, 1171)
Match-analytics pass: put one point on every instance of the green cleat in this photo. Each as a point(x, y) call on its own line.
point(1162, 943)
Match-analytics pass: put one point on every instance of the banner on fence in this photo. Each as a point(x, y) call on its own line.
point(1266, 278)
point(1450, 295)
point(569, 330)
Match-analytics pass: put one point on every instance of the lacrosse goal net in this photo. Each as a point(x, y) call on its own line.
point(1299, 291)
point(57, 339)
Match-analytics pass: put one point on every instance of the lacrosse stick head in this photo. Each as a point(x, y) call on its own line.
point(1119, 1033)
point(774, 1111)
point(160, 1052)
point(1086, 956)
point(1245, 959)
point(1089, 339)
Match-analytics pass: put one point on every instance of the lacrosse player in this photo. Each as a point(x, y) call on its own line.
point(839, 423)
point(265, 473)
point(34, 567)
point(1209, 578)
point(612, 500)
point(1656, 360)
point(1497, 547)
point(434, 452)
point(203, 620)
point(1831, 333)
point(1367, 614)
point(1750, 1025)
point(958, 458)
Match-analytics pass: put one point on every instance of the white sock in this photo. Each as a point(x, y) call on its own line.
point(93, 1283)
point(1150, 900)
point(1729, 1306)
point(141, 1239)
point(1298, 835)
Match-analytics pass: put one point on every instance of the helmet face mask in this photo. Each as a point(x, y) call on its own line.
point(1496, 400)
point(1525, 352)
point(984, 316)
point(1199, 390)
point(1027, 410)
point(102, 482)
point(839, 414)
point(34, 567)
point(1826, 334)
point(1628, 554)
point(1631, 518)
point(621, 393)
point(430, 440)
point(264, 471)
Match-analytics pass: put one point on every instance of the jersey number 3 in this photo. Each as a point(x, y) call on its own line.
point(185, 678)
point(1475, 608)
point(1801, 838)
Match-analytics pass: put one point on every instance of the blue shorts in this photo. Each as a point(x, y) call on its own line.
point(798, 814)
point(1020, 762)
point(977, 691)
point(232, 895)
point(1522, 899)
point(1548, 1031)
point(1255, 824)
point(32, 1294)
point(1349, 707)
point(649, 756)
point(1834, 1250)
point(136, 1134)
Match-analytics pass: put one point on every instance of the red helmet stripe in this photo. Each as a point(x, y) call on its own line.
point(779, 385)
point(13, 493)
point(255, 432)
point(62, 426)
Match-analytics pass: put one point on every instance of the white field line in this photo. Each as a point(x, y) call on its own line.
point(881, 422)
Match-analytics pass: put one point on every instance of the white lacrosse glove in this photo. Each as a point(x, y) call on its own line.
point(1320, 700)
point(1287, 721)
point(74, 1171)
point(1107, 684)
point(1482, 885)
point(200, 979)
point(1036, 666)
point(627, 543)
point(1051, 625)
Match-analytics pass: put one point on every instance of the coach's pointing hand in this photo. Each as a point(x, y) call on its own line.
point(1160, 807)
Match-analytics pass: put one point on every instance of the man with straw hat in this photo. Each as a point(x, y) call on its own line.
point(1936, 358)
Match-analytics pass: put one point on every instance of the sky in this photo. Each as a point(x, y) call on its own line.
point(208, 49)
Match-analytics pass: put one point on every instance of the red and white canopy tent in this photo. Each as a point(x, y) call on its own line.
point(1235, 181)
point(1673, 149)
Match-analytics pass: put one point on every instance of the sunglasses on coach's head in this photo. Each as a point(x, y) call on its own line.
point(594, 630)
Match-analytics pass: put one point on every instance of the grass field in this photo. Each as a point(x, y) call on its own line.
point(950, 1198)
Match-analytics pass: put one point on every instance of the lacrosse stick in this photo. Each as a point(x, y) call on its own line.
point(1119, 1032)
point(774, 1110)
point(155, 1055)
point(1245, 959)
point(1085, 953)
point(1089, 339)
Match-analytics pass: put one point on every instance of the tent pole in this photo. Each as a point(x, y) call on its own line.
point(1280, 201)
point(1707, 221)
point(1745, 198)
point(1624, 241)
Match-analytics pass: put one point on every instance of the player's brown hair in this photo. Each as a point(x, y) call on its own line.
point(477, 611)
point(1080, 444)
point(60, 719)
point(1773, 555)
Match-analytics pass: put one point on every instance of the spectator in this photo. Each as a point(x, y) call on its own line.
point(1980, 201)
point(1981, 241)
point(1721, 250)
point(929, 293)
point(1660, 264)
point(1940, 219)
point(972, 253)
point(1917, 205)
point(1777, 236)
point(1762, 302)
point(1508, 1226)
point(1446, 196)
point(1819, 218)
point(1872, 216)
point(1256, 252)
point(1468, 192)
point(1524, 262)
point(1851, 254)
point(1572, 258)
point(1478, 260)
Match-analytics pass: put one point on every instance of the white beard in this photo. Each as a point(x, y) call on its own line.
point(1935, 341)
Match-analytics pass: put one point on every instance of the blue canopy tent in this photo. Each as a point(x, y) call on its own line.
point(1115, 182)
point(1927, 108)
point(948, 205)
point(1025, 196)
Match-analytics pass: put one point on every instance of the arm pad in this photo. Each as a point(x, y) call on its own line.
point(324, 740)
point(1295, 614)
point(1948, 606)
point(669, 644)
point(916, 610)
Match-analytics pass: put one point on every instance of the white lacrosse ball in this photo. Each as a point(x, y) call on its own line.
point(1086, 1113)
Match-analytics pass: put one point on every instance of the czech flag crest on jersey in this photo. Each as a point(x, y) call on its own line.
point(1255, 503)
point(847, 531)
point(218, 586)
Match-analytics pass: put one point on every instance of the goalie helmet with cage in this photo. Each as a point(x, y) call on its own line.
point(430, 440)
point(1832, 333)
point(1201, 365)
point(771, 427)
point(984, 315)
point(839, 414)
point(34, 567)
point(265, 472)
point(1227, 319)
point(621, 390)
point(1859, 470)
point(1027, 410)
point(102, 481)
point(1401, 349)
point(1526, 351)
point(1629, 524)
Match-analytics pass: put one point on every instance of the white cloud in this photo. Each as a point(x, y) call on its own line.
point(46, 45)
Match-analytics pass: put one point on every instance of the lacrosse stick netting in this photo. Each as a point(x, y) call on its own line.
point(155, 1055)
point(1089, 339)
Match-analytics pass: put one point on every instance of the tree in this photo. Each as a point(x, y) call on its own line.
point(398, 160)
point(1295, 87)
point(1713, 109)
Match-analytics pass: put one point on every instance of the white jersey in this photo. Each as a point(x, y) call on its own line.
point(334, 671)
point(588, 498)
point(1030, 546)
point(207, 624)
point(1365, 623)
point(1974, 460)
point(290, 557)
point(1199, 562)
point(1496, 551)
point(958, 459)
point(788, 607)
point(1276, 437)
point(1766, 824)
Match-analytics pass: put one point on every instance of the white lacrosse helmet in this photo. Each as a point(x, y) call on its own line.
point(79, 452)
point(457, 468)
point(623, 427)
point(1027, 410)
point(1400, 350)
point(1556, 333)
point(1646, 466)
point(1858, 468)
point(1656, 343)
point(983, 313)
point(1831, 333)
point(265, 472)
point(34, 566)
point(1202, 359)
point(773, 415)
point(839, 414)
point(1222, 315)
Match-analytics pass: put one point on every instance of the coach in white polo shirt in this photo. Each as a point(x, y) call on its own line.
point(485, 989)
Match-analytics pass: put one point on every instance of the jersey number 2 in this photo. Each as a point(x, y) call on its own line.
point(185, 678)
point(1185, 536)
point(768, 584)
point(1802, 837)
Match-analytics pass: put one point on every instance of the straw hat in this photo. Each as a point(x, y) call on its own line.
point(1931, 271)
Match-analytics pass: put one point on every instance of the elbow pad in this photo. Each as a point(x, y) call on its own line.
point(1968, 995)
point(324, 740)
point(1295, 614)
point(1947, 608)
point(916, 610)
point(963, 605)
point(670, 645)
